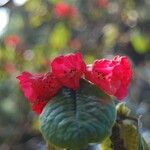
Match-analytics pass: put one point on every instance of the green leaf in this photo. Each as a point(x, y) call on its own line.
point(132, 139)
point(53, 147)
point(72, 119)
point(140, 42)
point(128, 137)
point(60, 36)
point(106, 144)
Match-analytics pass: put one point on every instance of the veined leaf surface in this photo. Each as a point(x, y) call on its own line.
point(72, 119)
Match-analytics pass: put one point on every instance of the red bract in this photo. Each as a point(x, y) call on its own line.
point(39, 89)
point(69, 69)
point(112, 76)
point(63, 9)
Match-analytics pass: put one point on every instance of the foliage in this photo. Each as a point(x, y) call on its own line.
point(72, 119)
point(99, 29)
point(125, 133)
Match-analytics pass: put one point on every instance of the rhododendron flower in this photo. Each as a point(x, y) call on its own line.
point(12, 40)
point(38, 106)
point(112, 76)
point(39, 89)
point(63, 9)
point(69, 69)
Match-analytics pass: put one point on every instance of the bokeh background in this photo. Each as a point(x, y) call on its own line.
point(33, 32)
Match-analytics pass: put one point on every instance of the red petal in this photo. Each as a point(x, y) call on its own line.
point(69, 69)
point(39, 87)
point(121, 93)
point(63, 9)
point(112, 76)
point(38, 107)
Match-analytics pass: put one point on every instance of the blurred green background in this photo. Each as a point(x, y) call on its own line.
point(32, 33)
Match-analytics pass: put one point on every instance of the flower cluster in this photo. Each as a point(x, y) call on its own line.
point(112, 76)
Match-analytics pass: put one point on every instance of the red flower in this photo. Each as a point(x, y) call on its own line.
point(103, 3)
point(12, 40)
point(38, 106)
point(39, 89)
point(63, 9)
point(69, 69)
point(112, 76)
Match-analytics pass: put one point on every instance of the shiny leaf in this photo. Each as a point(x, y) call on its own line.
point(72, 119)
